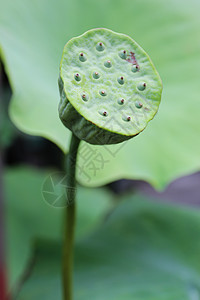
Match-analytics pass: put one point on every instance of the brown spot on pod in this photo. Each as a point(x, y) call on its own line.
point(132, 59)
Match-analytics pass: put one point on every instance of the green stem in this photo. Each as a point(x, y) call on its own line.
point(3, 283)
point(69, 224)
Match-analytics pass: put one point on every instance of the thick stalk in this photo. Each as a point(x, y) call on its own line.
point(69, 223)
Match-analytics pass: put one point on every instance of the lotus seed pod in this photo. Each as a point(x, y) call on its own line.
point(109, 87)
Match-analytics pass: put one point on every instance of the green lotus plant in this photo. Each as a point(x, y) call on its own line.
point(109, 91)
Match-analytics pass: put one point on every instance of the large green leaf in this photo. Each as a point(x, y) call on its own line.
point(145, 251)
point(32, 36)
point(29, 217)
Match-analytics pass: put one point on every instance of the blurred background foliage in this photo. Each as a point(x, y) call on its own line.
point(122, 241)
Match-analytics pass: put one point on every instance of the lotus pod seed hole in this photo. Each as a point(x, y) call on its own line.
point(100, 46)
point(102, 93)
point(135, 68)
point(77, 77)
point(126, 118)
point(108, 64)
point(96, 75)
point(138, 104)
point(84, 97)
point(103, 113)
point(121, 101)
point(141, 86)
point(123, 54)
point(82, 57)
point(121, 80)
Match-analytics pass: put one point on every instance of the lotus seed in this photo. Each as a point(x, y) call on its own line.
point(123, 54)
point(96, 75)
point(100, 46)
point(121, 101)
point(138, 104)
point(82, 57)
point(135, 68)
point(142, 86)
point(126, 118)
point(84, 97)
point(103, 113)
point(77, 77)
point(102, 93)
point(107, 64)
point(121, 80)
